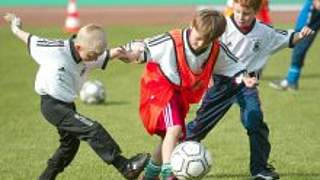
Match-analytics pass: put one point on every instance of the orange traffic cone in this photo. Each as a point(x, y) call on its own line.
point(72, 23)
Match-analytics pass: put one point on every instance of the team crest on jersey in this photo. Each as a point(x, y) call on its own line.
point(256, 45)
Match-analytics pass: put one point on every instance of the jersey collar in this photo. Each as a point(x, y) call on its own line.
point(76, 57)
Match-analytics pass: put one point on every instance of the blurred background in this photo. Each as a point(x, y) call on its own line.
point(138, 12)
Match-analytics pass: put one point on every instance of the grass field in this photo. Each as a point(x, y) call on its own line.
point(28, 140)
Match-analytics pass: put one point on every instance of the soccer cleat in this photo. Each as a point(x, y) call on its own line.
point(135, 166)
point(268, 174)
point(283, 85)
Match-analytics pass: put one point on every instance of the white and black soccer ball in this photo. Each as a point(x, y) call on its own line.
point(190, 160)
point(93, 92)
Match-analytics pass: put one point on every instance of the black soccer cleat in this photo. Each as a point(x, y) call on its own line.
point(268, 174)
point(135, 166)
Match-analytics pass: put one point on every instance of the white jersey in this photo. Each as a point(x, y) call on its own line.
point(161, 50)
point(60, 74)
point(254, 48)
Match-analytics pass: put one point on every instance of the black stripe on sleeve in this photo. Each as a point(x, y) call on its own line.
point(28, 43)
point(291, 45)
point(145, 56)
point(157, 38)
point(106, 60)
point(228, 52)
point(158, 42)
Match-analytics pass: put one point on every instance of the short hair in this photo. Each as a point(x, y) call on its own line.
point(209, 23)
point(255, 4)
point(92, 37)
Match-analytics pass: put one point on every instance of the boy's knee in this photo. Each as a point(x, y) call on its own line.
point(96, 128)
point(254, 120)
point(75, 144)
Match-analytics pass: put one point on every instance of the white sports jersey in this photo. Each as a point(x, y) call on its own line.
point(254, 47)
point(160, 49)
point(60, 74)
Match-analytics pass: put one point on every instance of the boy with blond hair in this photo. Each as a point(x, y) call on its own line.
point(252, 42)
point(63, 67)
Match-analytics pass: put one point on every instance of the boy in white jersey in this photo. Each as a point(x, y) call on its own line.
point(63, 66)
point(252, 42)
point(179, 66)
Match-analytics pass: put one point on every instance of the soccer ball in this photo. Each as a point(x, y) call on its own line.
point(190, 160)
point(92, 92)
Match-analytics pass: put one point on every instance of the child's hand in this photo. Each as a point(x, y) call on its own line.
point(14, 20)
point(250, 81)
point(131, 56)
point(305, 32)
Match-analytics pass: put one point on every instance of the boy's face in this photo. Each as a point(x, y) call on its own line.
point(316, 4)
point(197, 41)
point(87, 55)
point(244, 16)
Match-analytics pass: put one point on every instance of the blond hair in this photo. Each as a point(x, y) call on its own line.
point(92, 37)
point(254, 4)
point(209, 23)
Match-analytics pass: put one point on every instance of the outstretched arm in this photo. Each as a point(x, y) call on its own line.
point(132, 52)
point(16, 27)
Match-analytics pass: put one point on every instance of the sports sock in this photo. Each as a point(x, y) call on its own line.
point(152, 170)
point(293, 75)
point(166, 171)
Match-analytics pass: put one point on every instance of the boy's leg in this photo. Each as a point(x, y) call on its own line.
point(54, 111)
point(66, 119)
point(153, 168)
point(67, 150)
point(170, 127)
point(104, 145)
point(169, 143)
point(258, 132)
point(300, 50)
point(308, 17)
point(215, 104)
point(297, 61)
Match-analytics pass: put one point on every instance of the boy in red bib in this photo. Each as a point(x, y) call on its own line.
point(179, 66)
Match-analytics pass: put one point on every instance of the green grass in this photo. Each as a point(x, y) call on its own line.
point(28, 140)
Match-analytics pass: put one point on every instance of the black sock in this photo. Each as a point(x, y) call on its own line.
point(119, 162)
